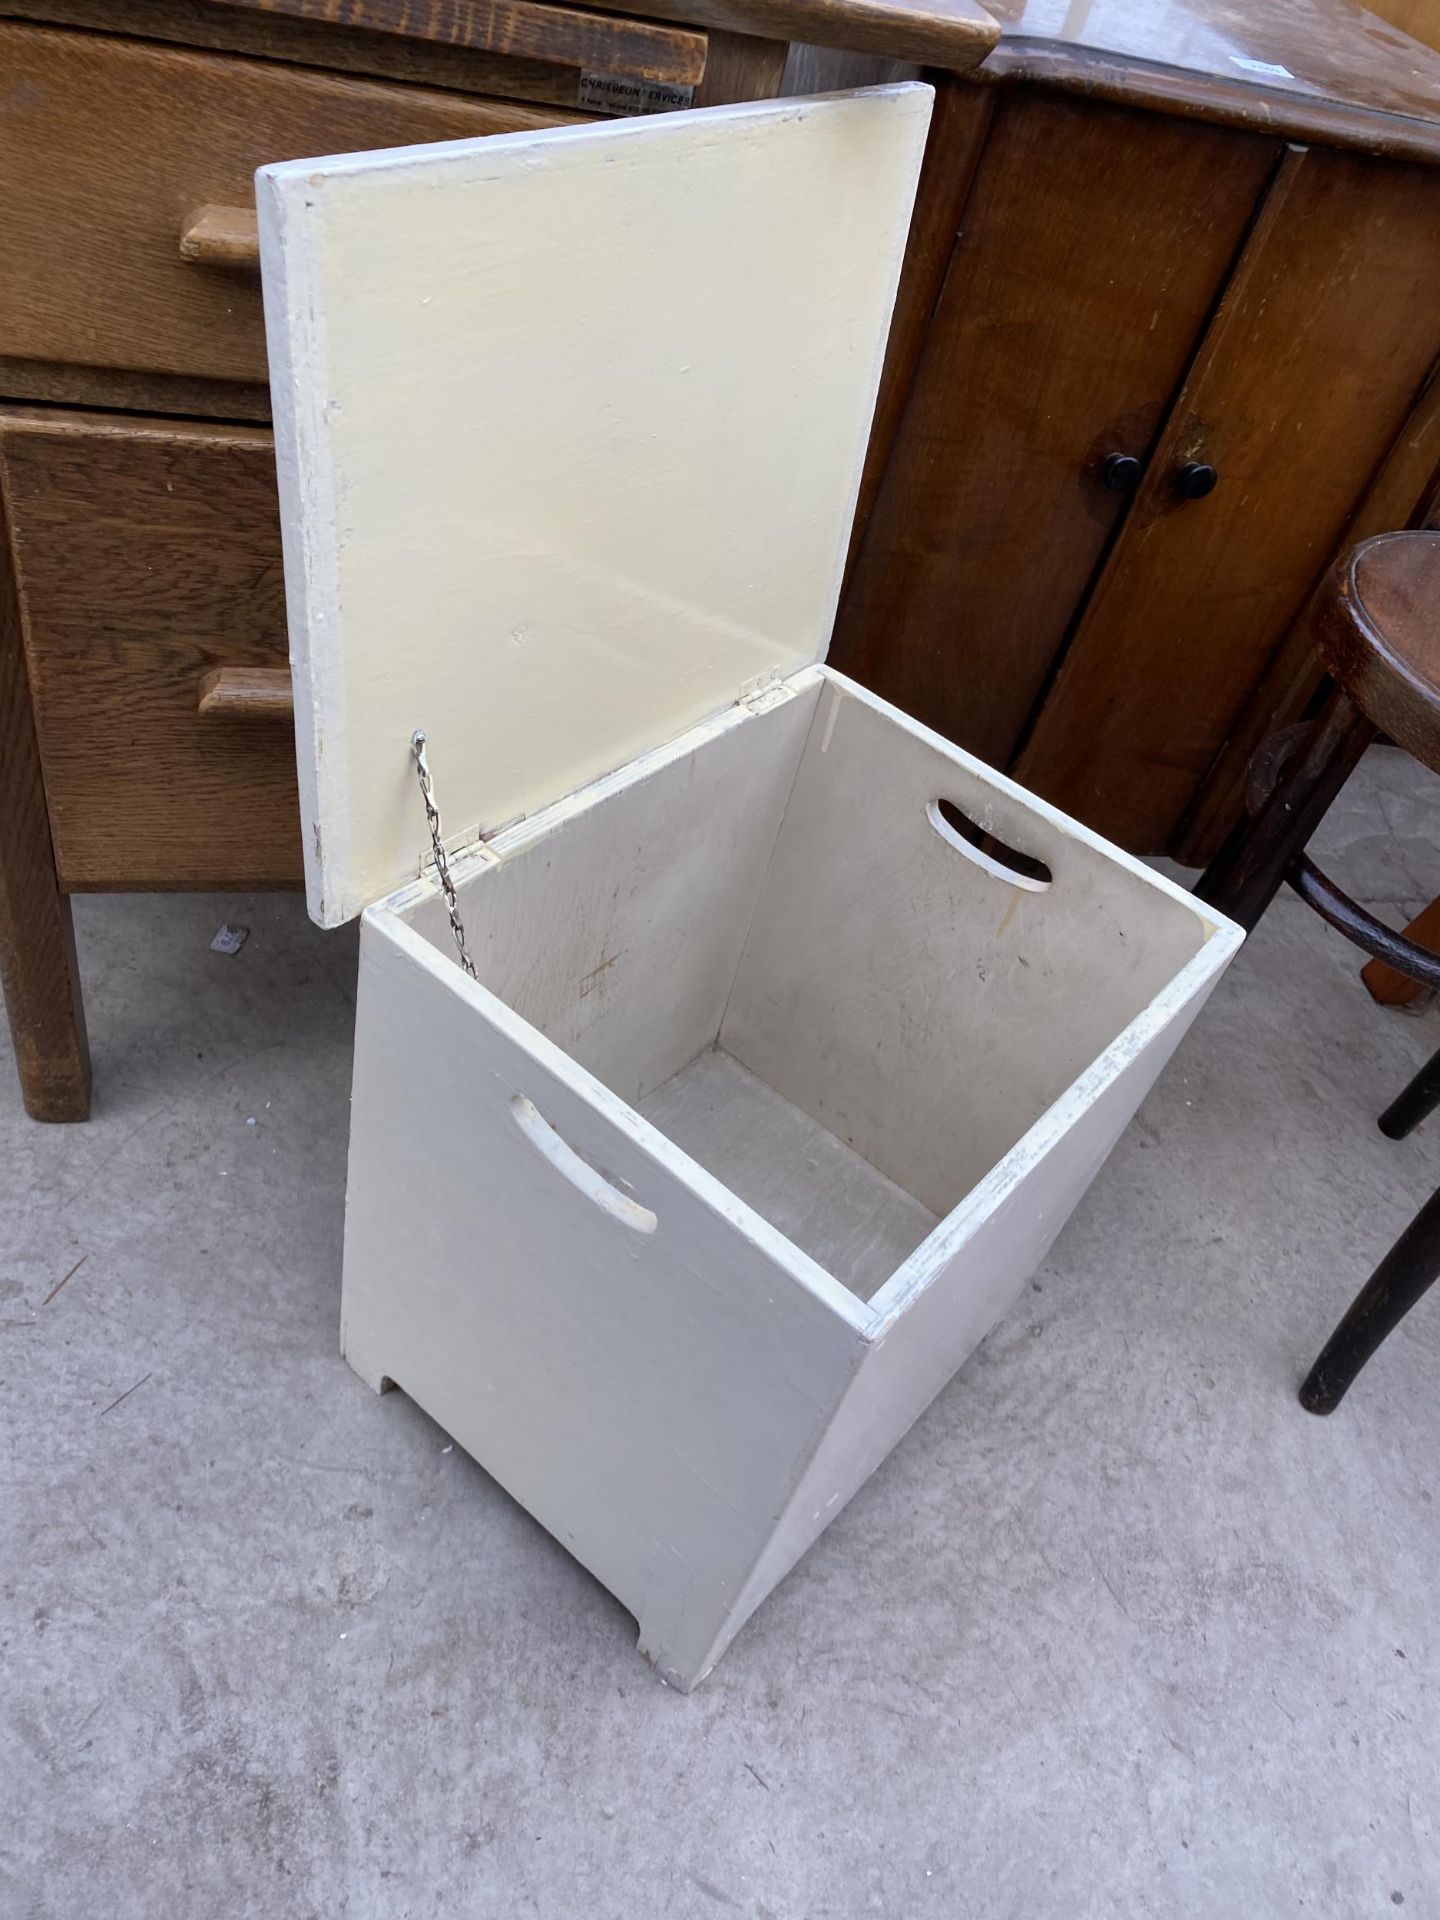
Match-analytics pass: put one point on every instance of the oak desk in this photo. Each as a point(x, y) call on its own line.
point(139, 549)
point(1156, 252)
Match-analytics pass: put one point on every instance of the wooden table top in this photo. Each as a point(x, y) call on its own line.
point(1315, 70)
point(1326, 70)
point(1322, 68)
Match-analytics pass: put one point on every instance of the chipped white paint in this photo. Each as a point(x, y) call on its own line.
point(770, 1094)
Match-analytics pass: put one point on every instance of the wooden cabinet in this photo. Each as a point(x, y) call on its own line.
point(1302, 381)
point(1093, 244)
point(1183, 295)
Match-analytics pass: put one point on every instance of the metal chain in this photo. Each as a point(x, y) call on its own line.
point(442, 864)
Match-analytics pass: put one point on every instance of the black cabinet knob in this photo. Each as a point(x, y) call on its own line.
point(1195, 480)
point(1121, 472)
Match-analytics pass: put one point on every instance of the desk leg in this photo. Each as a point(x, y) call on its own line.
point(37, 941)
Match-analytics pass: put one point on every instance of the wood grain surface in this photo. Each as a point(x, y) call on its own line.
point(1301, 69)
point(738, 66)
point(237, 28)
point(1419, 18)
point(1091, 250)
point(958, 129)
point(148, 554)
point(247, 693)
point(946, 33)
point(130, 392)
point(98, 222)
point(1322, 69)
point(38, 968)
point(604, 43)
point(1324, 338)
point(222, 237)
point(1397, 497)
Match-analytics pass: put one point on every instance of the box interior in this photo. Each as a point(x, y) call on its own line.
point(794, 942)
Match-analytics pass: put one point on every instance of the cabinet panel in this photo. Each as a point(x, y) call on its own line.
point(97, 218)
point(147, 554)
point(1311, 367)
point(1401, 495)
point(959, 128)
point(1094, 245)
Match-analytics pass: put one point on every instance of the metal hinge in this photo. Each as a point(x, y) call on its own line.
point(758, 696)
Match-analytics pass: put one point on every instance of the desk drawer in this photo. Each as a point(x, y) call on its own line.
point(148, 554)
point(109, 149)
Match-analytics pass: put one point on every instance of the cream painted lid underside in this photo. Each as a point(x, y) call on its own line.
point(569, 427)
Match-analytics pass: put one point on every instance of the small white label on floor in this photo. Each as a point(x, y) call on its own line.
point(229, 939)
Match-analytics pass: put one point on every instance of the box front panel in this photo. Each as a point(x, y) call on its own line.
point(604, 1333)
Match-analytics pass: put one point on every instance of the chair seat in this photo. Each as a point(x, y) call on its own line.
point(1380, 638)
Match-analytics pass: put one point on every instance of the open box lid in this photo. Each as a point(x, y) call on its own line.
point(569, 427)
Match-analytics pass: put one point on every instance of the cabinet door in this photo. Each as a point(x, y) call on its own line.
point(1402, 494)
point(1315, 358)
point(1094, 245)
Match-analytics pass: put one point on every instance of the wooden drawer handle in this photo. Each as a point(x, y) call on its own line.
point(221, 237)
point(247, 693)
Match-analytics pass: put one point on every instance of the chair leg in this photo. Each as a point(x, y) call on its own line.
point(1407, 1271)
point(1249, 869)
point(1416, 1103)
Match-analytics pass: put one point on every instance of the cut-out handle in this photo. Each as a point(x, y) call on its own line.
point(563, 1157)
point(986, 849)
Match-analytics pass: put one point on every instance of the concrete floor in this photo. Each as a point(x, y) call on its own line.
point(1118, 1630)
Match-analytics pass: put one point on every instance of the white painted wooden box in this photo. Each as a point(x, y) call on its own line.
point(774, 1088)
